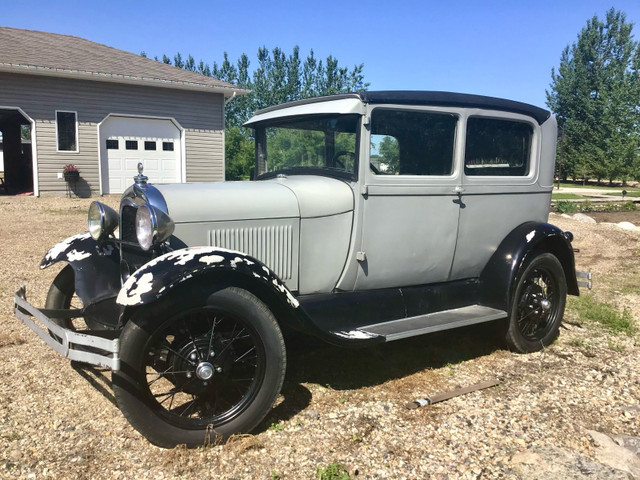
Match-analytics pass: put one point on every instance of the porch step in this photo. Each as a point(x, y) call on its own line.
point(433, 322)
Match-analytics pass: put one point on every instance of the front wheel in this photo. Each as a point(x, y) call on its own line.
point(62, 296)
point(208, 365)
point(537, 305)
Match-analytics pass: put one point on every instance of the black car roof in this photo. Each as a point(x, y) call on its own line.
point(420, 97)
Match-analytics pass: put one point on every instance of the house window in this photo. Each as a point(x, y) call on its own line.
point(497, 147)
point(67, 131)
point(113, 144)
point(149, 145)
point(167, 146)
point(131, 144)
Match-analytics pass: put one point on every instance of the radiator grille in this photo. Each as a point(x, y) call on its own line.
point(272, 245)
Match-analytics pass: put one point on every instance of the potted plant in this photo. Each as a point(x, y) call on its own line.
point(70, 172)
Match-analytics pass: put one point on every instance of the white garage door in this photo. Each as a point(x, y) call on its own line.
point(125, 141)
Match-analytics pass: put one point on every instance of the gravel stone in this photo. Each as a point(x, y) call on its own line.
point(59, 420)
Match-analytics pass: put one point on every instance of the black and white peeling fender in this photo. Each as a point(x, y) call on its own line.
point(157, 277)
point(96, 266)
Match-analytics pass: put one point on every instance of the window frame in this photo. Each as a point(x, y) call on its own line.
point(77, 137)
point(420, 181)
point(496, 180)
point(528, 165)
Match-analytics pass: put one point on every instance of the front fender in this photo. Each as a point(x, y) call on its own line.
point(159, 276)
point(500, 274)
point(96, 266)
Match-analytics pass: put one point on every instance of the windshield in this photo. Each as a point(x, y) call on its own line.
point(318, 144)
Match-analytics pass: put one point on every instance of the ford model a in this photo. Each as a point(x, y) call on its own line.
point(373, 217)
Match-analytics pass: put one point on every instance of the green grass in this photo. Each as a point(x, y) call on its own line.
point(591, 186)
point(616, 347)
point(276, 427)
point(565, 196)
point(588, 308)
point(630, 193)
point(577, 342)
point(333, 471)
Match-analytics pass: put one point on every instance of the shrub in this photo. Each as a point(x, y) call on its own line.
point(566, 207)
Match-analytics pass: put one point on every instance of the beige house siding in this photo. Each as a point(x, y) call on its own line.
point(200, 114)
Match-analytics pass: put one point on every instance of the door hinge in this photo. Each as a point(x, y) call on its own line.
point(364, 190)
point(361, 256)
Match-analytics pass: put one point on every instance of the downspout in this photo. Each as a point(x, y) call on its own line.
point(229, 99)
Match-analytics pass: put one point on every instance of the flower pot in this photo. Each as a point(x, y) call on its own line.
point(71, 176)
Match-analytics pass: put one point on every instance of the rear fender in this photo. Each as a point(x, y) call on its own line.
point(158, 277)
point(96, 266)
point(500, 274)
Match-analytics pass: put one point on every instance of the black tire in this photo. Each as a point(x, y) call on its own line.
point(61, 296)
point(537, 305)
point(199, 366)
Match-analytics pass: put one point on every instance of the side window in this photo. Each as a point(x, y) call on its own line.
point(497, 147)
point(409, 142)
point(67, 131)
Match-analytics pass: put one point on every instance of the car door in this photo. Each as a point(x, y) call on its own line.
point(411, 207)
point(500, 186)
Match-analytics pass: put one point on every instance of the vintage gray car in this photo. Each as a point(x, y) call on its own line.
point(373, 217)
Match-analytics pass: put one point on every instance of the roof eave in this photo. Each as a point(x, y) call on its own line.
point(229, 91)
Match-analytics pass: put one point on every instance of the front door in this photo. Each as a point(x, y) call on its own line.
point(411, 205)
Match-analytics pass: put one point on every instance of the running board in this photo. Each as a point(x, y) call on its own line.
point(433, 322)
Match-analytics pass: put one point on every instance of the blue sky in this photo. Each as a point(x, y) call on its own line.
point(498, 48)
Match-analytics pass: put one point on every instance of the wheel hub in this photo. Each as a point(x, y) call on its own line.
point(204, 371)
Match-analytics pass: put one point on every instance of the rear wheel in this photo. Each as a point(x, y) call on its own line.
point(199, 366)
point(537, 305)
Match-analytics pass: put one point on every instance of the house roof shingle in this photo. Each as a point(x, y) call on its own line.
point(44, 53)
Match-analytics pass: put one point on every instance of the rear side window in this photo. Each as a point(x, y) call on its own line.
point(497, 147)
point(409, 142)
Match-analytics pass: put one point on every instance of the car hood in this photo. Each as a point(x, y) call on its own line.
point(295, 196)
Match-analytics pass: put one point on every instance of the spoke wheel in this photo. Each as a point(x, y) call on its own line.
point(537, 305)
point(213, 365)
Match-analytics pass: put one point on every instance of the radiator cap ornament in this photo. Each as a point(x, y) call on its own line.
point(140, 179)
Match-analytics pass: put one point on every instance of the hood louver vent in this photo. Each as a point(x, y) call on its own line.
point(273, 245)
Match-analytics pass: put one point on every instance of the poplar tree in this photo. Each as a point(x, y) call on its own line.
point(276, 78)
point(595, 95)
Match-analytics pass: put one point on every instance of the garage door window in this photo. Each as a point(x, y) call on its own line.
point(149, 145)
point(167, 146)
point(113, 145)
point(67, 131)
point(131, 144)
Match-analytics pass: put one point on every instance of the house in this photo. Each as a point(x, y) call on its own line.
point(67, 100)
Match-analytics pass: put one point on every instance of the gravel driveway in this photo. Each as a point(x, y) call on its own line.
point(544, 419)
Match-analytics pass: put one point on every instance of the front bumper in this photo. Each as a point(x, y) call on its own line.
point(90, 346)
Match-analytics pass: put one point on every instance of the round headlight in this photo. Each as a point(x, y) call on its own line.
point(103, 220)
point(145, 228)
point(153, 226)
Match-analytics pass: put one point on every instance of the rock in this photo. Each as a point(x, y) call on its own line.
point(581, 217)
point(554, 462)
point(626, 225)
point(615, 455)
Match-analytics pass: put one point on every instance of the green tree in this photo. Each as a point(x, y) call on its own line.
point(595, 95)
point(277, 78)
point(390, 153)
